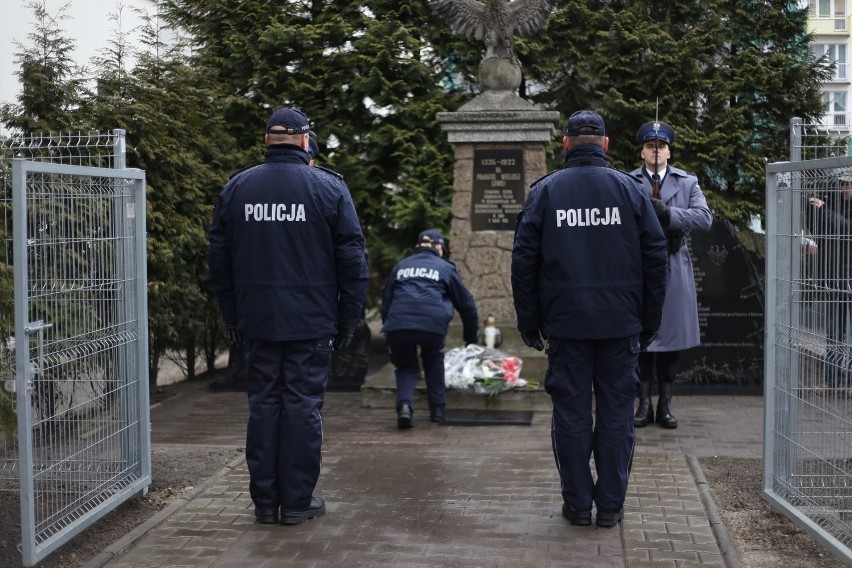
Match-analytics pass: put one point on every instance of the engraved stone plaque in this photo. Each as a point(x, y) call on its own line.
point(498, 189)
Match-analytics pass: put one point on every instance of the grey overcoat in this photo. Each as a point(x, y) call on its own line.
point(689, 213)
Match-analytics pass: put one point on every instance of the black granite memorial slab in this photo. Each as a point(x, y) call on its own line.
point(728, 263)
point(479, 417)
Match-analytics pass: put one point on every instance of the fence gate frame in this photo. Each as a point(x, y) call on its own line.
point(52, 522)
point(792, 436)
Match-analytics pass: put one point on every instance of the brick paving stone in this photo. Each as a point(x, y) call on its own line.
point(465, 497)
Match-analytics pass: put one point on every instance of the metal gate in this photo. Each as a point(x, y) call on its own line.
point(808, 372)
point(79, 348)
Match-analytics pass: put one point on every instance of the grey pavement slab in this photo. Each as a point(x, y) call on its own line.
point(434, 496)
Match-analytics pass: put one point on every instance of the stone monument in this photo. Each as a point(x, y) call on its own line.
point(501, 143)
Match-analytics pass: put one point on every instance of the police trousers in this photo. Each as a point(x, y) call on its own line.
point(578, 372)
point(286, 386)
point(403, 354)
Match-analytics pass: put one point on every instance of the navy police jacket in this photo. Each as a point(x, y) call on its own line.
point(286, 252)
point(589, 259)
point(422, 291)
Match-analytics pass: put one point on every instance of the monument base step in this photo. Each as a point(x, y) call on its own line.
point(379, 391)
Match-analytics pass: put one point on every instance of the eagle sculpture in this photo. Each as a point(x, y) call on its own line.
point(494, 21)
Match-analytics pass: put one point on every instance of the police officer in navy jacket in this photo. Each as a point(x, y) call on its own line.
point(417, 307)
point(287, 265)
point(588, 276)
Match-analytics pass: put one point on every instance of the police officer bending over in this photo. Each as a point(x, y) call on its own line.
point(588, 276)
point(417, 306)
point(286, 260)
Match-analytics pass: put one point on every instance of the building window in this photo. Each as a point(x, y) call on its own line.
point(835, 54)
point(829, 8)
point(835, 107)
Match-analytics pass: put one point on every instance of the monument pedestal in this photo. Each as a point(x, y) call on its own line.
point(501, 144)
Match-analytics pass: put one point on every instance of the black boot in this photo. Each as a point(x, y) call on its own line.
point(665, 418)
point(645, 412)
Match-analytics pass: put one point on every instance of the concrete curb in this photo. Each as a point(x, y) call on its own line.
point(705, 492)
point(127, 541)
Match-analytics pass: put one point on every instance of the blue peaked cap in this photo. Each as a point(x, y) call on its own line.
point(656, 129)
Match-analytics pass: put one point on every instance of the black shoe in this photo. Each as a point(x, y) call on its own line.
point(608, 519)
point(296, 516)
point(436, 414)
point(579, 518)
point(403, 417)
point(266, 515)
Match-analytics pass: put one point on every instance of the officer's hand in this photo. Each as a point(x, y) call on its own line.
point(343, 339)
point(234, 335)
point(646, 338)
point(533, 339)
point(662, 211)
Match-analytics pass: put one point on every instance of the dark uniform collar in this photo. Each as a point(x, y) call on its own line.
point(585, 155)
point(431, 250)
point(286, 153)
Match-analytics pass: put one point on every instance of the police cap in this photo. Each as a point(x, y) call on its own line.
point(430, 236)
point(655, 129)
point(288, 121)
point(585, 122)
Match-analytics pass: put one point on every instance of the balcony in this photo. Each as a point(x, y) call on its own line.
point(837, 122)
point(836, 25)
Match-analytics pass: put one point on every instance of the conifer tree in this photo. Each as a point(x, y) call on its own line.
point(52, 88)
point(175, 133)
point(728, 76)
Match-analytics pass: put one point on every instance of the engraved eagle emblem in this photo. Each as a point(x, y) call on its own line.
point(494, 21)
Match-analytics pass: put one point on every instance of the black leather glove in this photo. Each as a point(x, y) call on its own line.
point(343, 339)
point(533, 339)
point(662, 211)
point(234, 335)
point(646, 338)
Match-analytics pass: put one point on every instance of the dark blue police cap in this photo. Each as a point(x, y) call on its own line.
point(288, 121)
point(655, 129)
point(585, 122)
point(433, 236)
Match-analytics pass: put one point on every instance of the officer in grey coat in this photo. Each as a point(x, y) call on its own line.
point(682, 210)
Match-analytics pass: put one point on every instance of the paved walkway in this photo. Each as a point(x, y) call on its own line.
point(443, 496)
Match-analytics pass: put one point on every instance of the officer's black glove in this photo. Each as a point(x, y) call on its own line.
point(533, 339)
point(234, 335)
point(662, 211)
point(343, 339)
point(646, 338)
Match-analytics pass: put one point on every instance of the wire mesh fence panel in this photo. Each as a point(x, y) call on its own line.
point(73, 335)
point(813, 141)
point(91, 149)
point(808, 460)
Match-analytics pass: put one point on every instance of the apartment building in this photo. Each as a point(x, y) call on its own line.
point(829, 22)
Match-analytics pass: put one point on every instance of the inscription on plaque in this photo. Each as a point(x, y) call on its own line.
point(498, 189)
